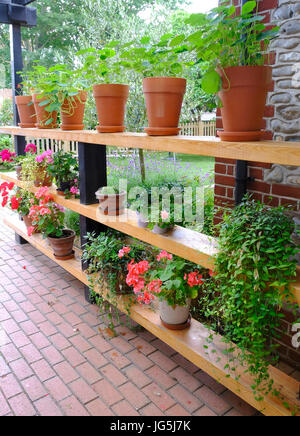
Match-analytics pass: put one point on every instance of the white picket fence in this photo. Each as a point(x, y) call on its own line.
point(199, 128)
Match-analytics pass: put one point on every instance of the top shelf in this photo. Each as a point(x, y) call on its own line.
point(274, 152)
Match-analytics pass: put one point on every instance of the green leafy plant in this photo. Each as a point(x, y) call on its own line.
point(254, 270)
point(25, 200)
point(64, 168)
point(227, 38)
point(72, 221)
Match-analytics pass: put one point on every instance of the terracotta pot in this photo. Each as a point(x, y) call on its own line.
point(42, 115)
point(63, 247)
point(243, 97)
point(111, 204)
point(66, 186)
point(162, 231)
point(111, 104)
point(42, 178)
point(28, 222)
point(72, 113)
point(163, 97)
point(18, 169)
point(26, 111)
point(175, 317)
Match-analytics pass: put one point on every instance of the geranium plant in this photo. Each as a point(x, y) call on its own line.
point(8, 156)
point(47, 216)
point(64, 168)
point(34, 165)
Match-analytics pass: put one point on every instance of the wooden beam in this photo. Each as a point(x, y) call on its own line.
point(190, 343)
point(274, 152)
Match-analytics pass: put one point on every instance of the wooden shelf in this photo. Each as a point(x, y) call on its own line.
point(285, 153)
point(188, 244)
point(190, 343)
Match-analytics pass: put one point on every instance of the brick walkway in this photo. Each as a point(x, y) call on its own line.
point(57, 358)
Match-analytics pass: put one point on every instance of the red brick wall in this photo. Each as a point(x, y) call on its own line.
point(268, 193)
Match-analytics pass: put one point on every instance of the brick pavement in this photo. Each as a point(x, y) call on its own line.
point(58, 358)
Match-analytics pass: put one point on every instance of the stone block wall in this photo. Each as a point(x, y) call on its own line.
point(274, 184)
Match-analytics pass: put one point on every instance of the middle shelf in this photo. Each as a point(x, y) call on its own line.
point(188, 244)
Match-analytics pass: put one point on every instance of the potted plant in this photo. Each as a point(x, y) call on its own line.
point(64, 168)
point(173, 281)
point(233, 44)
point(35, 169)
point(107, 255)
point(111, 201)
point(164, 89)
point(110, 95)
point(25, 104)
point(42, 80)
point(49, 217)
point(11, 157)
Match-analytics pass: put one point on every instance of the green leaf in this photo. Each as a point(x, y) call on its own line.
point(211, 82)
point(248, 7)
point(177, 40)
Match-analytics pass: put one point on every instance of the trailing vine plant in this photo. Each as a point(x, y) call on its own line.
point(254, 269)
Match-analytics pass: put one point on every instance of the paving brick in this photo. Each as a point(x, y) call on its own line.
point(137, 376)
point(57, 388)
point(210, 382)
point(177, 410)
point(95, 358)
point(98, 408)
point(34, 388)
point(19, 315)
point(43, 370)
point(10, 386)
point(10, 326)
point(21, 369)
point(107, 393)
point(185, 379)
point(19, 339)
point(29, 328)
point(239, 404)
point(143, 346)
point(21, 406)
point(80, 343)
point(100, 343)
point(47, 328)
point(89, 373)
point(164, 348)
point(10, 352)
point(140, 360)
point(204, 411)
point(134, 395)
point(31, 353)
point(83, 391)
point(37, 317)
point(124, 409)
point(184, 397)
point(151, 410)
point(160, 377)
point(4, 407)
point(72, 407)
point(158, 396)
point(4, 368)
point(163, 361)
point(66, 372)
point(47, 407)
point(117, 358)
point(40, 340)
point(52, 355)
point(60, 342)
point(212, 400)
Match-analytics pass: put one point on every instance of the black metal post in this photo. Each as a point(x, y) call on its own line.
point(92, 175)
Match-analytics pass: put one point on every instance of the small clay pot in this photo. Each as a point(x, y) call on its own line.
point(18, 169)
point(28, 223)
point(42, 115)
point(175, 317)
point(243, 96)
point(63, 246)
point(111, 103)
point(111, 204)
point(72, 112)
point(42, 178)
point(26, 111)
point(65, 186)
point(163, 97)
point(162, 231)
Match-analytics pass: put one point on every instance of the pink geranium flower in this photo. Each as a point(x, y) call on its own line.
point(31, 148)
point(164, 215)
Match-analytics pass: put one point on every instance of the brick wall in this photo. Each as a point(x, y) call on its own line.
point(274, 184)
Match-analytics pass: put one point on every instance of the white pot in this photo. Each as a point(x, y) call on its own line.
point(174, 315)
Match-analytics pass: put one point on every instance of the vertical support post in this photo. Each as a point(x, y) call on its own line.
point(16, 66)
point(92, 175)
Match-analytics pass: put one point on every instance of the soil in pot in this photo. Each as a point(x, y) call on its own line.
point(163, 97)
point(111, 104)
point(42, 115)
point(72, 112)
point(111, 204)
point(26, 111)
point(175, 317)
point(243, 98)
point(63, 246)
point(42, 178)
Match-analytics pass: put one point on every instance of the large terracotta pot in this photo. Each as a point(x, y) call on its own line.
point(72, 112)
point(243, 98)
point(26, 111)
point(163, 97)
point(175, 317)
point(111, 103)
point(42, 178)
point(42, 115)
point(63, 247)
point(111, 204)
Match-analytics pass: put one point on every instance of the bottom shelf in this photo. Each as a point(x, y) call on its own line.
point(189, 343)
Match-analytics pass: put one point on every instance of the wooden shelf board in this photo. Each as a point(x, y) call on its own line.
point(275, 152)
point(190, 245)
point(190, 343)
